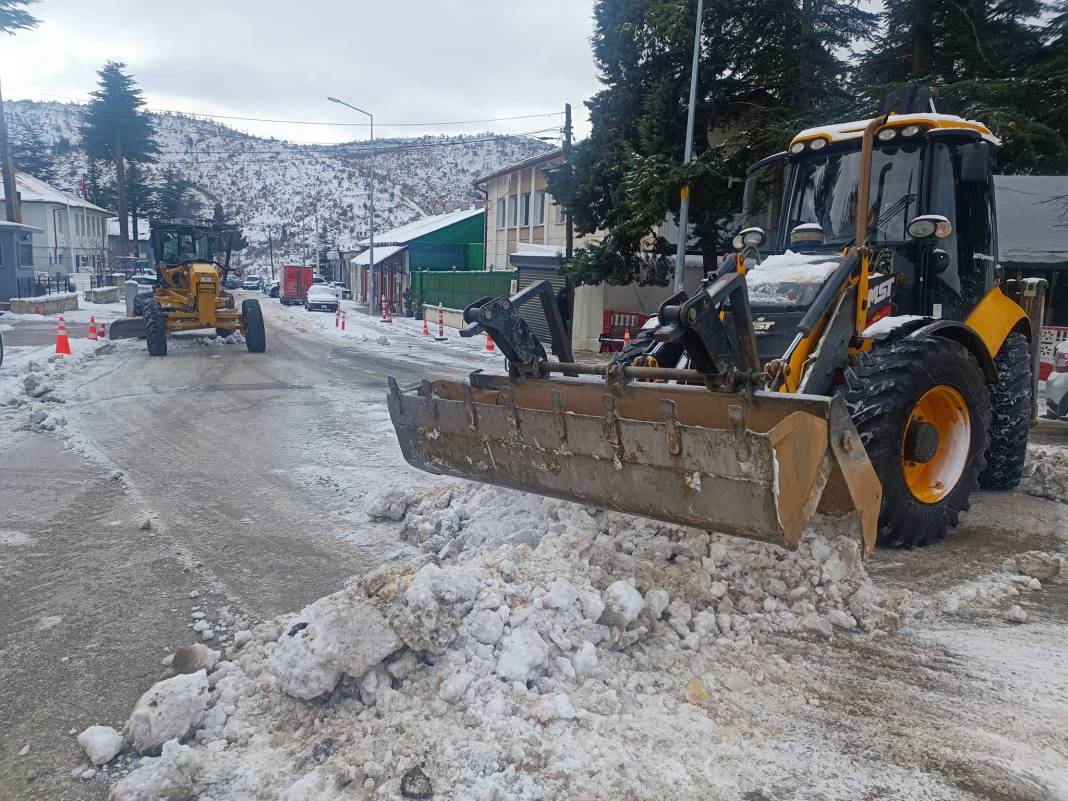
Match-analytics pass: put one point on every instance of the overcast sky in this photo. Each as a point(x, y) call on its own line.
point(404, 60)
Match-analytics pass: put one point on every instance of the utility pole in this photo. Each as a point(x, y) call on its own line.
point(11, 197)
point(684, 204)
point(569, 223)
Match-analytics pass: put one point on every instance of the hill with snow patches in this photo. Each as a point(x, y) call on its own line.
point(295, 190)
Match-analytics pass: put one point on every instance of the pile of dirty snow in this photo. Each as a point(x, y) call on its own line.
point(536, 649)
point(1046, 473)
point(32, 393)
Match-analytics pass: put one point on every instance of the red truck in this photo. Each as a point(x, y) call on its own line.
point(293, 288)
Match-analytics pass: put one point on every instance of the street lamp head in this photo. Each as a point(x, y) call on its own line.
point(333, 100)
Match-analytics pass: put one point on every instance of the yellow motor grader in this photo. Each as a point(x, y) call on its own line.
point(855, 355)
point(188, 294)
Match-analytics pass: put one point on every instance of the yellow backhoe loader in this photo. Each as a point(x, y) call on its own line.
point(855, 355)
point(188, 294)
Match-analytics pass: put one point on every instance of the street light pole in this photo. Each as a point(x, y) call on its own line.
point(373, 283)
point(684, 204)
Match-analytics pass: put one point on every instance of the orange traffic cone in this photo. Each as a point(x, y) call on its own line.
point(92, 329)
point(426, 328)
point(489, 343)
point(342, 321)
point(626, 338)
point(103, 330)
point(62, 344)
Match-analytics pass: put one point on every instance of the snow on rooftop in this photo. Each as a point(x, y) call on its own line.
point(422, 227)
point(381, 254)
point(532, 249)
point(34, 190)
point(142, 228)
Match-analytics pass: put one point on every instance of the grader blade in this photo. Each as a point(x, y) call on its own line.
point(127, 328)
point(755, 467)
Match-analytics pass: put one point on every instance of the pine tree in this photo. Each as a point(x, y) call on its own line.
point(174, 198)
point(32, 154)
point(140, 196)
point(15, 17)
point(100, 191)
point(221, 222)
point(117, 129)
point(625, 178)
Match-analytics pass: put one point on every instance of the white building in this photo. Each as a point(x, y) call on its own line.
point(73, 231)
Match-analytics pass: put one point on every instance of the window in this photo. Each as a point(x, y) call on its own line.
point(500, 221)
point(827, 187)
point(81, 224)
point(513, 207)
point(539, 208)
point(524, 209)
point(26, 250)
point(61, 224)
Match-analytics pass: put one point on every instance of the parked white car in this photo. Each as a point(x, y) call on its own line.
point(1057, 384)
point(321, 297)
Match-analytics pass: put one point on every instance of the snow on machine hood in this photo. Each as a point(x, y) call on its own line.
point(789, 279)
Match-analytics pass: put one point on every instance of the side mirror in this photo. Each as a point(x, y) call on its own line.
point(749, 194)
point(975, 164)
point(929, 226)
point(749, 238)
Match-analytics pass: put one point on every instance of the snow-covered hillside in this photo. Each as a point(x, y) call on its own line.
point(296, 190)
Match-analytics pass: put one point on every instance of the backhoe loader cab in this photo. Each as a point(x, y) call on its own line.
point(188, 294)
point(854, 355)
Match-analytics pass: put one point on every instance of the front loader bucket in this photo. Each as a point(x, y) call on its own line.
point(752, 467)
point(127, 328)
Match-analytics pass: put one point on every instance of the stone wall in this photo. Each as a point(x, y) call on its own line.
point(104, 294)
point(45, 304)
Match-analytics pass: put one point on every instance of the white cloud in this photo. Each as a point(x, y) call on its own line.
point(405, 60)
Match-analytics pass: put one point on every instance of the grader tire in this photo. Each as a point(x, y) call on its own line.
point(155, 328)
point(922, 409)
point(1010, 404)
point(255, 333)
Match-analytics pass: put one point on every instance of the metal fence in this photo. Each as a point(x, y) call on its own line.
point(32, 287)
point(456, 290)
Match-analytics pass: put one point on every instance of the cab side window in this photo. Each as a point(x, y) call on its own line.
point(945, 281)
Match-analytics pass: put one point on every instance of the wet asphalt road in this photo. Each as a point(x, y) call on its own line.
point(252, 468)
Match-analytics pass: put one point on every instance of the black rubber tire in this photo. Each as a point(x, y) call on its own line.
point(139, 305)
point(155, 328)
point(1010, 415)
point(255, 333)
point(640, 343)
point(881, 390)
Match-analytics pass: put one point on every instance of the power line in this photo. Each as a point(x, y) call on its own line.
point(209, 115)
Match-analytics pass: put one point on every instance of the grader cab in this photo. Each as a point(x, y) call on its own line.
point(188, 294)
point(854, 355)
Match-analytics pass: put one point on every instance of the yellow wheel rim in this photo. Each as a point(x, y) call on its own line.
point(933, 472)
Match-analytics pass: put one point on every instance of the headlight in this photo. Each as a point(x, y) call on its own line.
point(910, 130)
point(930, 225)
point(797, 147)
point(818, 144)
point(886, 134)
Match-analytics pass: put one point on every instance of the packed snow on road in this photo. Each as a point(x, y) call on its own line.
point(517, 647)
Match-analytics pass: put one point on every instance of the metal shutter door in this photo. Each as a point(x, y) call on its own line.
point(532, 311)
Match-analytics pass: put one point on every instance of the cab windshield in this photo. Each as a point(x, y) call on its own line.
point(825, 192)
point(179, 246)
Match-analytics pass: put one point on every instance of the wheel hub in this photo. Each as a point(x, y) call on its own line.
point(921, 441)
point(936, 443)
